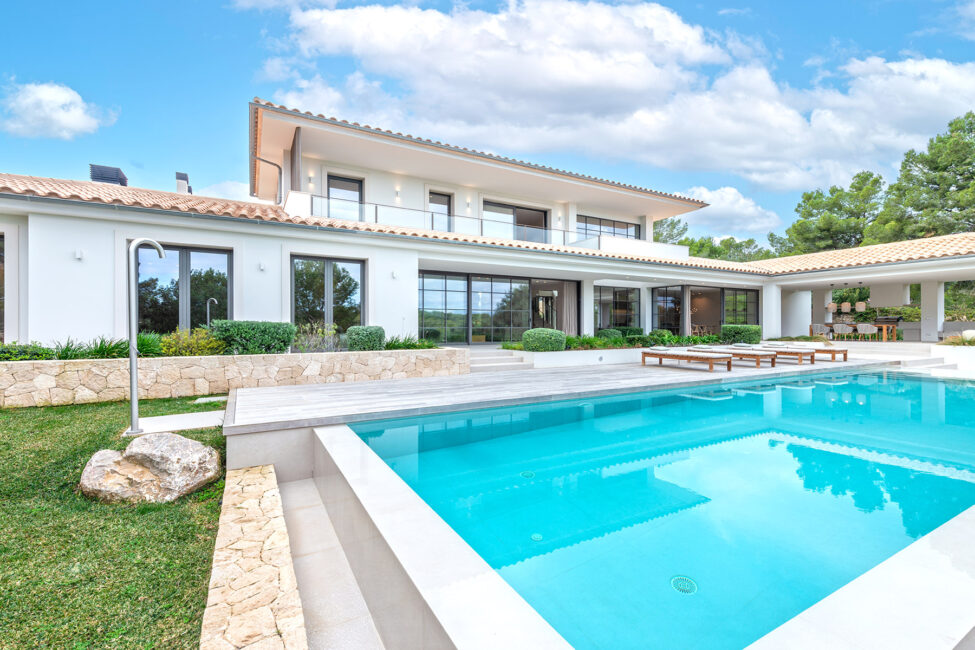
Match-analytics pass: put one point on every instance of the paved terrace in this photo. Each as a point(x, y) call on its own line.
point(287, 407)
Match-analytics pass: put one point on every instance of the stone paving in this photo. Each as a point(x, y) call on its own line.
point(253, 600)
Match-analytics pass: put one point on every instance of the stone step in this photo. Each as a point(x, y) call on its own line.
point(494, 358)
point(922, 362)
point(490, 352)
point(497, 367)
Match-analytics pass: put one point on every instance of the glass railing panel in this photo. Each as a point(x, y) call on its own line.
point(342, 209)
point(396, 216)
point(498, 230)
point(466, 225)
point(532, 234)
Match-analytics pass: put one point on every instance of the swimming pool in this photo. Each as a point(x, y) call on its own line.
point(698, 518)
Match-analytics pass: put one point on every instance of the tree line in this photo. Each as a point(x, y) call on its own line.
point(934, 194)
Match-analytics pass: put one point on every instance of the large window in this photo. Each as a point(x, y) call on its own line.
point(344, 198)
point(514, 222)
point(326, 291)
point(500, 309)
point(741, 306)
point(616, 307)
point(173, 291)
point(441, 207)
point(443, 307)
point(667, 307)
point(593, 227)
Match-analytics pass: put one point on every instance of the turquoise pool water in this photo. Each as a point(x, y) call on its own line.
point(696, 518)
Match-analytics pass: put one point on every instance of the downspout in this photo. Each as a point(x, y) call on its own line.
point(280, 176)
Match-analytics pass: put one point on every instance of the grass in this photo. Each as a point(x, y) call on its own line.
point(79, 574)
point(957, 340)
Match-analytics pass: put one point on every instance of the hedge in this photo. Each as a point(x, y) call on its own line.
point(543, 339)
point(254, 336)
point(365, 337)
point(630, 331)
point(741, 334)
point(25, 352)
point(610, 333)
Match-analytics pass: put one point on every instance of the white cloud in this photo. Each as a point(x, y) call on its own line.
point(966, 16)
point(233, 190)
point(732, 11)
point(49, 110)
point(730, 211)
point(631, 82)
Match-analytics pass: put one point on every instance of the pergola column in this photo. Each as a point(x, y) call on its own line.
point(932, 310)
point(588, 319)
point(796, 316)
point(771, 311)
point(820, 299)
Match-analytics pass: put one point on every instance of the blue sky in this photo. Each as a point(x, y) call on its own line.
point(744, 105)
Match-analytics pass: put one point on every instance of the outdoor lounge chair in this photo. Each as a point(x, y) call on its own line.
point(827, 351)
point(799, 354)
point(677, 354)
point(739, 353)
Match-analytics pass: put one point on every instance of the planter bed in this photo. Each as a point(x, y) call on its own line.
point(43, 383)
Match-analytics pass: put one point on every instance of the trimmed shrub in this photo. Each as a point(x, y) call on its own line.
point(741, 334)
point(638, 341)
point(610, 333)
point(630, 331)
point(543, 339)
point(25, 352)
point(254, 336)
point(409, 343)
point(197, 343)
point(365, 337)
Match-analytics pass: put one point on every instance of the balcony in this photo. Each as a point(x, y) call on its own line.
point(313, 205)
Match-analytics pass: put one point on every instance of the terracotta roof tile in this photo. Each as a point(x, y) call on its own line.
point(473, 152)
point(901, 251)
point(110, 194)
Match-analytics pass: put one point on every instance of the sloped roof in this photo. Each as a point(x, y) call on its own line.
point(901, 251)
point(262, 103)
point(960, 244)
point(111, 194)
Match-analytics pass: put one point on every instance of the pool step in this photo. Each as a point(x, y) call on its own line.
point(496, 360)
point(923, 362)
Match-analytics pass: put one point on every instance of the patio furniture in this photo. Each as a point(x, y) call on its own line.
point(819, 329)
point(843, 330)
point(740, 353)
point(832, 352)
point(866, 329)
point(679, 355)
point(799, 354)
point(888, 326)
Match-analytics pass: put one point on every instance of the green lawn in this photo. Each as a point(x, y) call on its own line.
point(79, 574)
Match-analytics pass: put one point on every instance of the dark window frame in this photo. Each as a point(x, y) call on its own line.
point(598, 292)
point(587, 226)
point(329, 305)
point(183, 283)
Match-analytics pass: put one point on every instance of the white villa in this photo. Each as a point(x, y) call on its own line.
point(364, 226)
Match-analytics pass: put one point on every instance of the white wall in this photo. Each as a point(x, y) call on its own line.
point(771, 299)
point(796, 313)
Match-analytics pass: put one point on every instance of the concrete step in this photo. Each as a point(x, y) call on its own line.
point(494, 358)
point(490, 352)
point(922, 362)
point(520, 364)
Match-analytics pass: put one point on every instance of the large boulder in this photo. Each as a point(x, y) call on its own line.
point(154, 468)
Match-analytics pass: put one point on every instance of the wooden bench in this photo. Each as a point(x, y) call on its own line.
point(799, 355)
point(709, 358)
point(832, 352)
point(757, 355)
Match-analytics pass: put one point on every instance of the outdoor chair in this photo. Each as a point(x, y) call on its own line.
point(866, 329)
point(819, 329)
point(842, 331)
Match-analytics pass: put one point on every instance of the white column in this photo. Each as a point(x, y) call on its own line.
point(796, 314)
point(586, 305)
point(647, 227)
point(771, 311)
point(646, 308)
point(685, 310)
point(932, 310)
point(821, 298)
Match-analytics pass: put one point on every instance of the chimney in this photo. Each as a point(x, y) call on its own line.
point(103, 174)
point(183, 183)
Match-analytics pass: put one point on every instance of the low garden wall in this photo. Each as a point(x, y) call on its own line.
point(44, 383)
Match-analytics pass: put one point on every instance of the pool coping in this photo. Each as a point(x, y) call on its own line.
point(454, 598)
point(445, 405)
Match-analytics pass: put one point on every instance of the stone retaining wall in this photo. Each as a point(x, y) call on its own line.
point(253, 596)
point(44, 383)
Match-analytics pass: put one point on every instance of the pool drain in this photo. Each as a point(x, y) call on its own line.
point(683, 584)
point(537, 537)
point(528, 474)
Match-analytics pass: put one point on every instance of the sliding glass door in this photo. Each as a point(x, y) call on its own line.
point(667, 308)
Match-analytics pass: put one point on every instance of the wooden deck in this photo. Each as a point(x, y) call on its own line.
point(290, 407)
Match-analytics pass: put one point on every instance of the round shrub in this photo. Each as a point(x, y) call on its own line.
point(543, 339)
point(365, 337)
point(630, 331)
point(741, 334)
point(610, 333)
